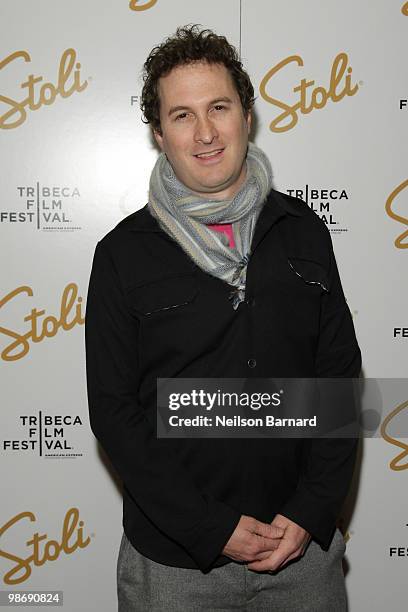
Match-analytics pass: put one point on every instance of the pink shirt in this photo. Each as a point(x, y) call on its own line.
point(227, 229)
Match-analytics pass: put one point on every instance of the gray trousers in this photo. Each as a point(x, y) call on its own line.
point(312, 583)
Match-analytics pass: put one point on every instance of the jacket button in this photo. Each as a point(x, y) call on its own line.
point(251, 301)
point(252, 363)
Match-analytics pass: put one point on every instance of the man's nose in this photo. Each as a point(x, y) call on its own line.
point(205, 131)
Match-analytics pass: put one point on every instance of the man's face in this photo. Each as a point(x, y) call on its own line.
point(204, 130)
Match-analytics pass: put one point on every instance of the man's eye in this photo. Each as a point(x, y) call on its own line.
point(219, 107)
point(181, 116)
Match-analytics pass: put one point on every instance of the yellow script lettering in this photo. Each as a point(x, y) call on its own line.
point(16, 107)
point(135, 5)
point(394, 464)
point(388, 207)
point(308, 99)
point(44, 94)
point(70, 315)
point(72, 528)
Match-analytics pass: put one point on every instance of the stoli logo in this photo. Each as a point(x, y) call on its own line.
point(40, 325)
point(309, 97)
point(39, 94)
point(72, 537)
point(404, 9)
point(397, 463)
point(400, 241)
point(135, 5)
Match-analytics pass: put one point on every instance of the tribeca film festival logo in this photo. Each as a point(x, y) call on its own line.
point(46, 435)
point(401, 241)
point(404, 9)
point(40, 548)
point(37, 94)
point(39, 326)
point(398, 551)
point(309, 97)
point(322, 202)
point(140, 5)
point(400, 332)
point(44, 207)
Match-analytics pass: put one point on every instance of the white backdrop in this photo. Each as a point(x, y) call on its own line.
point(76, 158)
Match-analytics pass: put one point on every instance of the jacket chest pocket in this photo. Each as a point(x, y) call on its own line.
point(171, 295)
point(300, 286)
point(310, 273)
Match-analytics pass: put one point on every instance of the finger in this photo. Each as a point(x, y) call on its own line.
point(267, 544)
point(274, 560)
point(268, 531)
point(262, 555)
point(294, 555)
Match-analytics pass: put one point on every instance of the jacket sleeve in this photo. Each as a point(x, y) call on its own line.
point(328, 462)
point(149, 468)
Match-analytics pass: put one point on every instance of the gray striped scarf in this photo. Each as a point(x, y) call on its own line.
point(185, 215)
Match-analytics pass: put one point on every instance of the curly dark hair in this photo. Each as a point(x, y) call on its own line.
point(190, 44)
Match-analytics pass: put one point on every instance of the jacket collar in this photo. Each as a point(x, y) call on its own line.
point(276, 206)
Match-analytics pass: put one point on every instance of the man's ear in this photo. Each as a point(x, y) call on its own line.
point(249, 121)
point(158, 138)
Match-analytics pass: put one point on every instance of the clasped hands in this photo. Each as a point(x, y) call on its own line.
point(264, 546)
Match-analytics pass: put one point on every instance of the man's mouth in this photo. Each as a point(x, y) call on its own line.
point(209, 154)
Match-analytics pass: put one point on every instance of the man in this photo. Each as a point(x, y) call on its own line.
point(217, 276)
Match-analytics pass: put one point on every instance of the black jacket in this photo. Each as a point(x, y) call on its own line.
point(151, 312)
